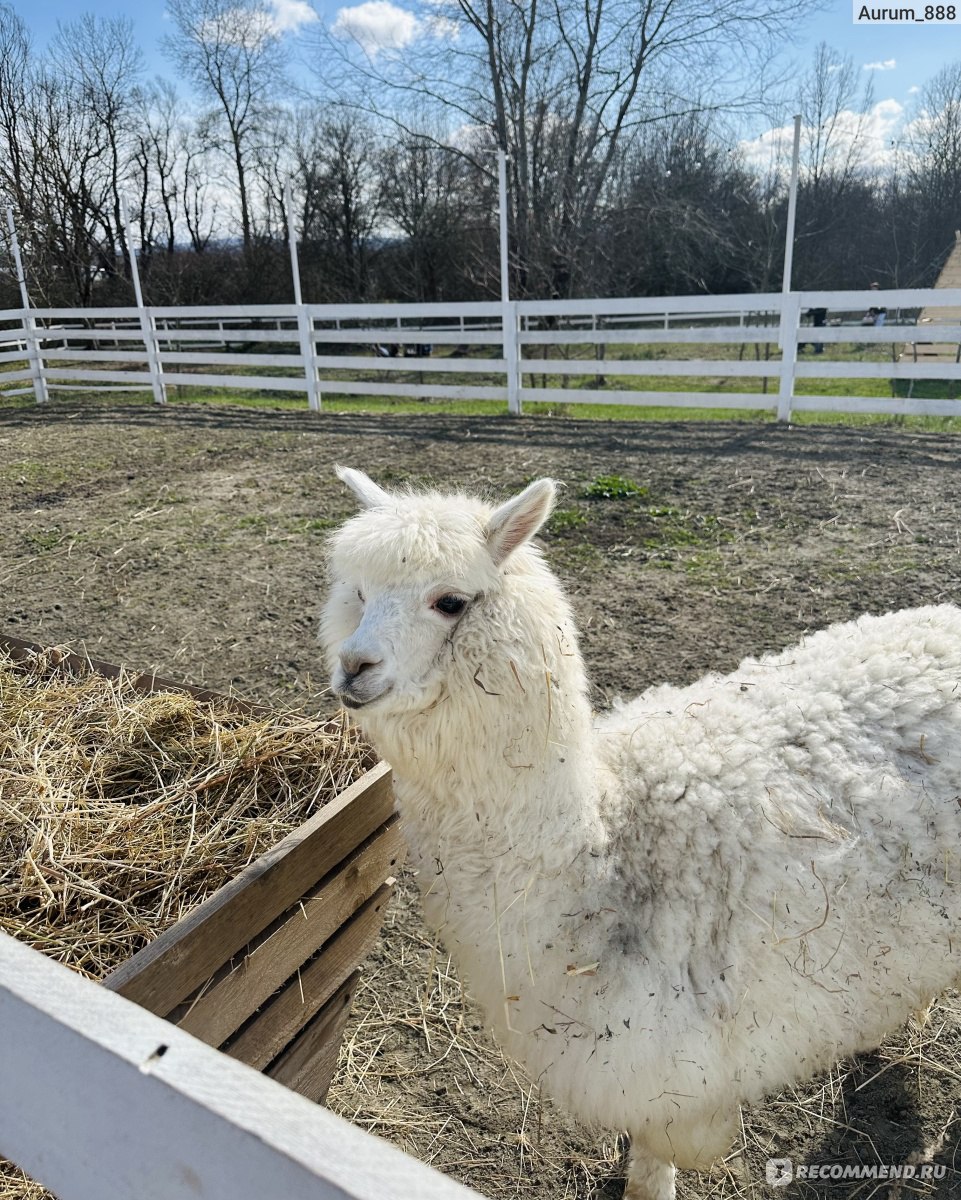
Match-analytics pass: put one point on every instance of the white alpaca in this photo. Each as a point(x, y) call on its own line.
point(708, 893)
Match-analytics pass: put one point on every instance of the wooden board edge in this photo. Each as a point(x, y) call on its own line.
point(308, 1065)
point(171, 967)
point(277, 1023)
point(282, 949)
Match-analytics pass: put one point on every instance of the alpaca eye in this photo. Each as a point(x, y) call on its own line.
point(360, 595)
point(450, 606)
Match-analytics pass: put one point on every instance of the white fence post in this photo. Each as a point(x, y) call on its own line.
point(510, 320)
point(788, 337)
point(151, 344)
point(305, 323)
point(33, 339)
point(308, 352)
point(509, 313)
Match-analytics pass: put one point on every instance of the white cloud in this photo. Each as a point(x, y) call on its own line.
point(913, 91)
point(246, 27)
point(376, 25)
point(887, 65)
point(879, 128)
point(441, 27)
point(290, 16)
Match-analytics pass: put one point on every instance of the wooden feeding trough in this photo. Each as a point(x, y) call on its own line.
point(265, 967)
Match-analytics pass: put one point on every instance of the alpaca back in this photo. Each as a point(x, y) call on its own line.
point(789, 840)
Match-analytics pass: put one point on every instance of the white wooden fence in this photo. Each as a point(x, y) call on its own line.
point(101, 1099)
point(560, 352)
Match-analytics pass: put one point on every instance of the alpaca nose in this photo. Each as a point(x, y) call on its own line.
point(355, 662)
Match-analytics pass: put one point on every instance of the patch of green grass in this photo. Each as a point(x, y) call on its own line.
point(275, 527)
point(672, 530)
point(320, 525)
point(257, 521)
point(34, 474)
point(45, 539)
point(574, 555)
point(565, 519)
point(613, 487)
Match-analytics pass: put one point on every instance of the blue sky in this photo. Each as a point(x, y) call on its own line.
point(899, 58)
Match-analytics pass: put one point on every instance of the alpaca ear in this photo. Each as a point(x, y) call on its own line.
point(363, 487)
point(516, 521)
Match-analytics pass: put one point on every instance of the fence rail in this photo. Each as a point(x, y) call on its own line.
point(633, 351)
point(99, 1097)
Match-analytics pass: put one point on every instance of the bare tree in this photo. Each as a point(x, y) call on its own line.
point(934, 164)
point(562, 85)
point(16, 164)
point(230, 50)
point(427, 197)
point(836, 180)
point(337, 164)
point(100, 60)
point(834, 106)
point(157, 136)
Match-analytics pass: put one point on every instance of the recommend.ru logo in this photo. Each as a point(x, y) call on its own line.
point(779, 1171)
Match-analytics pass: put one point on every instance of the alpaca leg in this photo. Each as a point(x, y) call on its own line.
point(648, 1178)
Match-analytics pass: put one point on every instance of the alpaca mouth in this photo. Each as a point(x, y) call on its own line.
point(355, 702)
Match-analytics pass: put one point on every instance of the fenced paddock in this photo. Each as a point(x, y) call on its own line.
point(192, 540)
point(753, 352)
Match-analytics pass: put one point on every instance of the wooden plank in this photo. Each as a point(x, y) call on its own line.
point(287, 943)
point(749, 400)
point(372, 362)
point(353, 387)
point(252, 383)
point(91, 1108)
point(226, 312)
point(878, 370)
point(87, 375)
point(395, 312)
point(906, 405)
point(238, 358)
point(863, 298)
point(180, 960)
point(273, 1029)
point(451, 336)
point(699, 335)
point(736, 303)
point(309, 1064)
point(228, 336)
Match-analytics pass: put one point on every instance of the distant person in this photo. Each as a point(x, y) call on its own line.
point(874, 315)
point(819, 318)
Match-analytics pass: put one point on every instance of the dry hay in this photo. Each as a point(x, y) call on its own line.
point(120, 811)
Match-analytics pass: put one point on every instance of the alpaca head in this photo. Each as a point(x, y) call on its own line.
point(408, 577)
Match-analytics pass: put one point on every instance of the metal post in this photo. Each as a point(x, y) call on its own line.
point(508, 310)
point(788, 335)
point(292, 240)
point(154, 365)
point(305, 324)
point(34, 343)
point(502, 220)
point(791, 208)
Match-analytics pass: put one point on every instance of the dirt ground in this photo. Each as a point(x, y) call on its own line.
point(190, 540)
